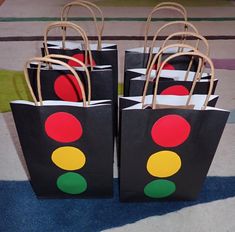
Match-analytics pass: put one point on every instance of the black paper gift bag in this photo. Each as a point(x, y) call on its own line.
point(58, 83)
point(138, 57)
point(68, 147)
point(178, 63)
point(103, 56)
point(98, 19)
point(167, 148)
point(95, 57)
point(173, 82)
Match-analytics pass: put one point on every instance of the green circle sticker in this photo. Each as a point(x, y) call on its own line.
point(72, 183)
point(159, 188)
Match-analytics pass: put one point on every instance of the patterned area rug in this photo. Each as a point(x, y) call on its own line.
point(21, 211)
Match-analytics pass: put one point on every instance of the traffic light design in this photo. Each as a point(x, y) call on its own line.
point(166, 153)
point(68, 151)
point(168, 132)
point(63, 127)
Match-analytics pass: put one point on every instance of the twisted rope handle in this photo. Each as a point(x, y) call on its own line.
point(185, 23)
point(87, 5)
point(157, 57)
point(178, 5)
point(203, 58)
point(77, 29)
point(164, 6)
point(186, 34)
point(199, 38)
point(49, 60)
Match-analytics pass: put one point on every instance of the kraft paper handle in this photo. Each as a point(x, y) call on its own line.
point(199, 38)
point(187, 25)
point(55, 56)
point(183, 34)
point(192, 34)
point(178, 5)
point(157, 58)
point(87, 5)
point(202, 57)
point(48, 60)
point(180, 46)
point(155, 9)
point(75, 27)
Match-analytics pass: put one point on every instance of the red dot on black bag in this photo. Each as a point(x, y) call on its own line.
point(66, 88)
point(175, 90)
point(170, 131)
point(80, 57)
point(63, 127)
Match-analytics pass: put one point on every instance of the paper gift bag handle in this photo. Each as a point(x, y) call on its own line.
point(180, 47)
point(155, 9)
point(87, 5)
point(186, 34)
point(195, 54)
point(158, 56)
point(53, 61)
point(57, 56)
point(178, 5)
point(78, 29)
point(184, 23)
point(199, 38)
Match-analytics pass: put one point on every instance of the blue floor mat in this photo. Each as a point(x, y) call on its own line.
point(20, 210)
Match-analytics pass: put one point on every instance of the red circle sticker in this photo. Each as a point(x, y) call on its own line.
point(67, 88)
point(63, 127)
point(170, 131)
point(80, 57)
point(179, 90)
point(167, 66)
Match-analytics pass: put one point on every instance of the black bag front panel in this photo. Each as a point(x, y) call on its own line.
point(170, 87)
point(135, 59)
point(49, 144)
point(61, 85)
point(104, 57)
point(166, 154)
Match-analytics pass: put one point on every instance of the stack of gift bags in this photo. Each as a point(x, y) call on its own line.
point(166, 126)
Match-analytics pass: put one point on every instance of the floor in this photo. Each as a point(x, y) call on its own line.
point(22, 24)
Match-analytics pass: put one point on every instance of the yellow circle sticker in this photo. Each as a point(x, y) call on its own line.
point(163, 163)
point(68, 158)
